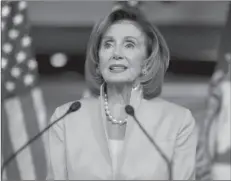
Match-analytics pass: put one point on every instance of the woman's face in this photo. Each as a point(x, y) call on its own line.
point(122, 51)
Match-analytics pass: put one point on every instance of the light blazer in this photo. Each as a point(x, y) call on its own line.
point(78, 144)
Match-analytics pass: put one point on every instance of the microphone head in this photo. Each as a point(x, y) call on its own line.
point(129, 110)
point(74, 107)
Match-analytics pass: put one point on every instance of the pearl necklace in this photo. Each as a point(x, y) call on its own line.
point(108, 113)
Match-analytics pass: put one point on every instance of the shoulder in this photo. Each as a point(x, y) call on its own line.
point(85, 103)
point(167, 107)
point(169, 113)
point(61, 121)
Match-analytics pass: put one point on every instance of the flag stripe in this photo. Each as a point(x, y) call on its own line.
point(41, 114)
point(18, 136)
point(32, 127)
point(12, 170)
point(39, 106)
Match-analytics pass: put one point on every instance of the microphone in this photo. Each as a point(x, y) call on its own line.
point(130, 111)
point(74, 107)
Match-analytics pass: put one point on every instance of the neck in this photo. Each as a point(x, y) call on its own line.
point(118, 98)
point(119, 94)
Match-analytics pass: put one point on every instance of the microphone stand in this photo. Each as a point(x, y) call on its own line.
point(129, 109)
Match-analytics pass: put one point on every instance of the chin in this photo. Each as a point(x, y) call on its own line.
point(117, 79)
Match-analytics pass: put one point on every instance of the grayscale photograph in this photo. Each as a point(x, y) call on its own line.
point(115, 90)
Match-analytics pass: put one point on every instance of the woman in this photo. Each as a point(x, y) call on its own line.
point(126, 61)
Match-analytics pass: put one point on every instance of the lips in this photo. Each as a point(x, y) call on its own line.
point(117, 68)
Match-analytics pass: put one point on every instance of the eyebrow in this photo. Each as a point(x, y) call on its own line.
point(131, 37)
point(107, 38)
point(110, 38)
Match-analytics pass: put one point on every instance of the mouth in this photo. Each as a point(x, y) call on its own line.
point(117, 68)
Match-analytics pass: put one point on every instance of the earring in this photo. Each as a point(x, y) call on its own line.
point(97, 70)
point(144, 71)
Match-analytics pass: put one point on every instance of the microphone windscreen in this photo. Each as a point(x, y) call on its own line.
point(74, 107)
point(129, 110)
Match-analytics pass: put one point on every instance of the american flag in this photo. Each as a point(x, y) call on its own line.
point(23, 109)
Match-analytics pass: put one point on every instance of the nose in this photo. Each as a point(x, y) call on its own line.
point(117, 54)
point(117, 57)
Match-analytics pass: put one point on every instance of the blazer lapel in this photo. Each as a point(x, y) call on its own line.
point(135, 101)
point(99, 130)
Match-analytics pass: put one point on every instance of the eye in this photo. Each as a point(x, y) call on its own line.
point(107, 45)
point(130, 45)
